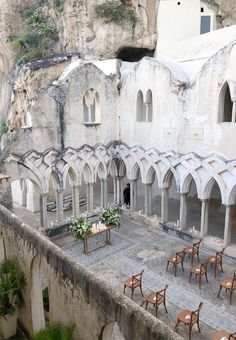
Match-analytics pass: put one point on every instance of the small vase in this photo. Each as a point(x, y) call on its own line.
point(8, 325)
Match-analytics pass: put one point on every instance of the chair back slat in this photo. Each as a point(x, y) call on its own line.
point(196, 246)
point(180, 254)
point(138, 276)
point(232, 336)
point(219, 253)
point(196, 312)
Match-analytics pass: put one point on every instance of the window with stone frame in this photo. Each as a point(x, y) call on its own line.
point(226, 107)
point(91, 107)
point(144, 108)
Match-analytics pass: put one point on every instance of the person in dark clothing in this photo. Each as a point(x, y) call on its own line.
point(126, 194)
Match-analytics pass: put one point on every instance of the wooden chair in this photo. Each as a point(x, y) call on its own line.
point(224, 335)
point(229, 285)
point(199, 271)
point(189, 318)
point(156, 299)
point(193, 250)
point(175, 260)
point(216, 259)
point(134, 282)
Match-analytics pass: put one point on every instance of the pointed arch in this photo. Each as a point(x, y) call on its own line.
point(209, 187)
point(140, 108)
point(101, 170)
point(225, 104)
point(69, 170)
point(149, 103)
point(86, 173)
point(186, 184)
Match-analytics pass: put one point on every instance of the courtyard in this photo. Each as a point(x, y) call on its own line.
point(136, 247)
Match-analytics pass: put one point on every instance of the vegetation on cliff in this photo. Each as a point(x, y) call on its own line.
point(40, 33)
point(115, 12)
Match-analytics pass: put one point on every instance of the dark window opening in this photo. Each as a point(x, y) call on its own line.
point(133, 54)
point(205, 24)
point(228, 106)
point(202, 10)
point(178, 3)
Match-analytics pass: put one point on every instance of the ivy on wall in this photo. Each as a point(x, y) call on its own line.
point(115, 12)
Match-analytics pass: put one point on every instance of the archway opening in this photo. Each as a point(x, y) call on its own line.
point(133, 54)
point(194, 208)
point(216, 213)
point(174, 201)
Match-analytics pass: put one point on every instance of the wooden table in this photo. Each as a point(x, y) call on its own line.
point(107, 239)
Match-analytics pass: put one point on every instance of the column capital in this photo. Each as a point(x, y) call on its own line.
point(44, 194)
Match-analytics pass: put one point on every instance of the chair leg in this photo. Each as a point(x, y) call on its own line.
point(215, 269)
point(176, 329)
point(167, 266)
point(132, 293)
point(164, 303)
point(219, 291)
point(190, 332)
point(124, 289)
point(156, 310)
point(198, 256)
point(200, 281)
point(141, 290)
point(198, 326)
point(230, 297)
point(221, 267)
point(182, 264)
point(146, 305)
point(206, 277)
point(192, 259)
point(190, 277)
point(175, 266)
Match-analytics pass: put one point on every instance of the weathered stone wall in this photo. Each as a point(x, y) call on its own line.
point(225, 10)
point(75, 294)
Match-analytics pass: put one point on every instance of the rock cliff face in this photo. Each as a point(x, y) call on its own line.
point(78, 29)
point(225, 10)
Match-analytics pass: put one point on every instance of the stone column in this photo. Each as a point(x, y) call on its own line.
point(234, 110)
point(148, 199)
point(24, 192)
point(75, 200)
point(183, 211)
point(91, 207)
point(204, 217)
point(105, 192)
point(228, 224)
point(114, 188)
point(59, 204)
point(118, 191)
point(164, 204)
point(135, 195)
point(43, 210)
point(102, 193)
point(88, 196)
point(132, 195)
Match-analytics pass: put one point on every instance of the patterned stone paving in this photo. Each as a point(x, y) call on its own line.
point(119, 244)
point(177, 295)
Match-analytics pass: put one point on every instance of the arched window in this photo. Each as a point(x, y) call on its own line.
point(225, 105)
point(148, 105)
point(144, 108)
point(91, 107)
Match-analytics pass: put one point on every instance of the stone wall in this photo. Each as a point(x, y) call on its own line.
point(75, 294)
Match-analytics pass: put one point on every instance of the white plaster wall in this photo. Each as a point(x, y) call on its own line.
point(184, 120)
point(16, 192)
point(176, 22)
point(32, 197)
point(77, 133)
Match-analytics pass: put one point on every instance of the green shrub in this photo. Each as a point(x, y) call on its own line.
point(110, 216)
point(56, 331)
point(114, 11)
point(3, 128)
point(80, 227)
point(12, 281)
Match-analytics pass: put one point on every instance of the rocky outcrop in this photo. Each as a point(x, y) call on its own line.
point(225, 10)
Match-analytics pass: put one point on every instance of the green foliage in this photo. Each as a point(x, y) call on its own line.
point(12, 281)
point(3, 128)
point(40, 33)
point(45, 299)
point(56, 331)
point(80, 227)
point(110, 216)
point(114, 11)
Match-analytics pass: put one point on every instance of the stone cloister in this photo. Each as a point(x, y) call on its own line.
point(115, 163)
